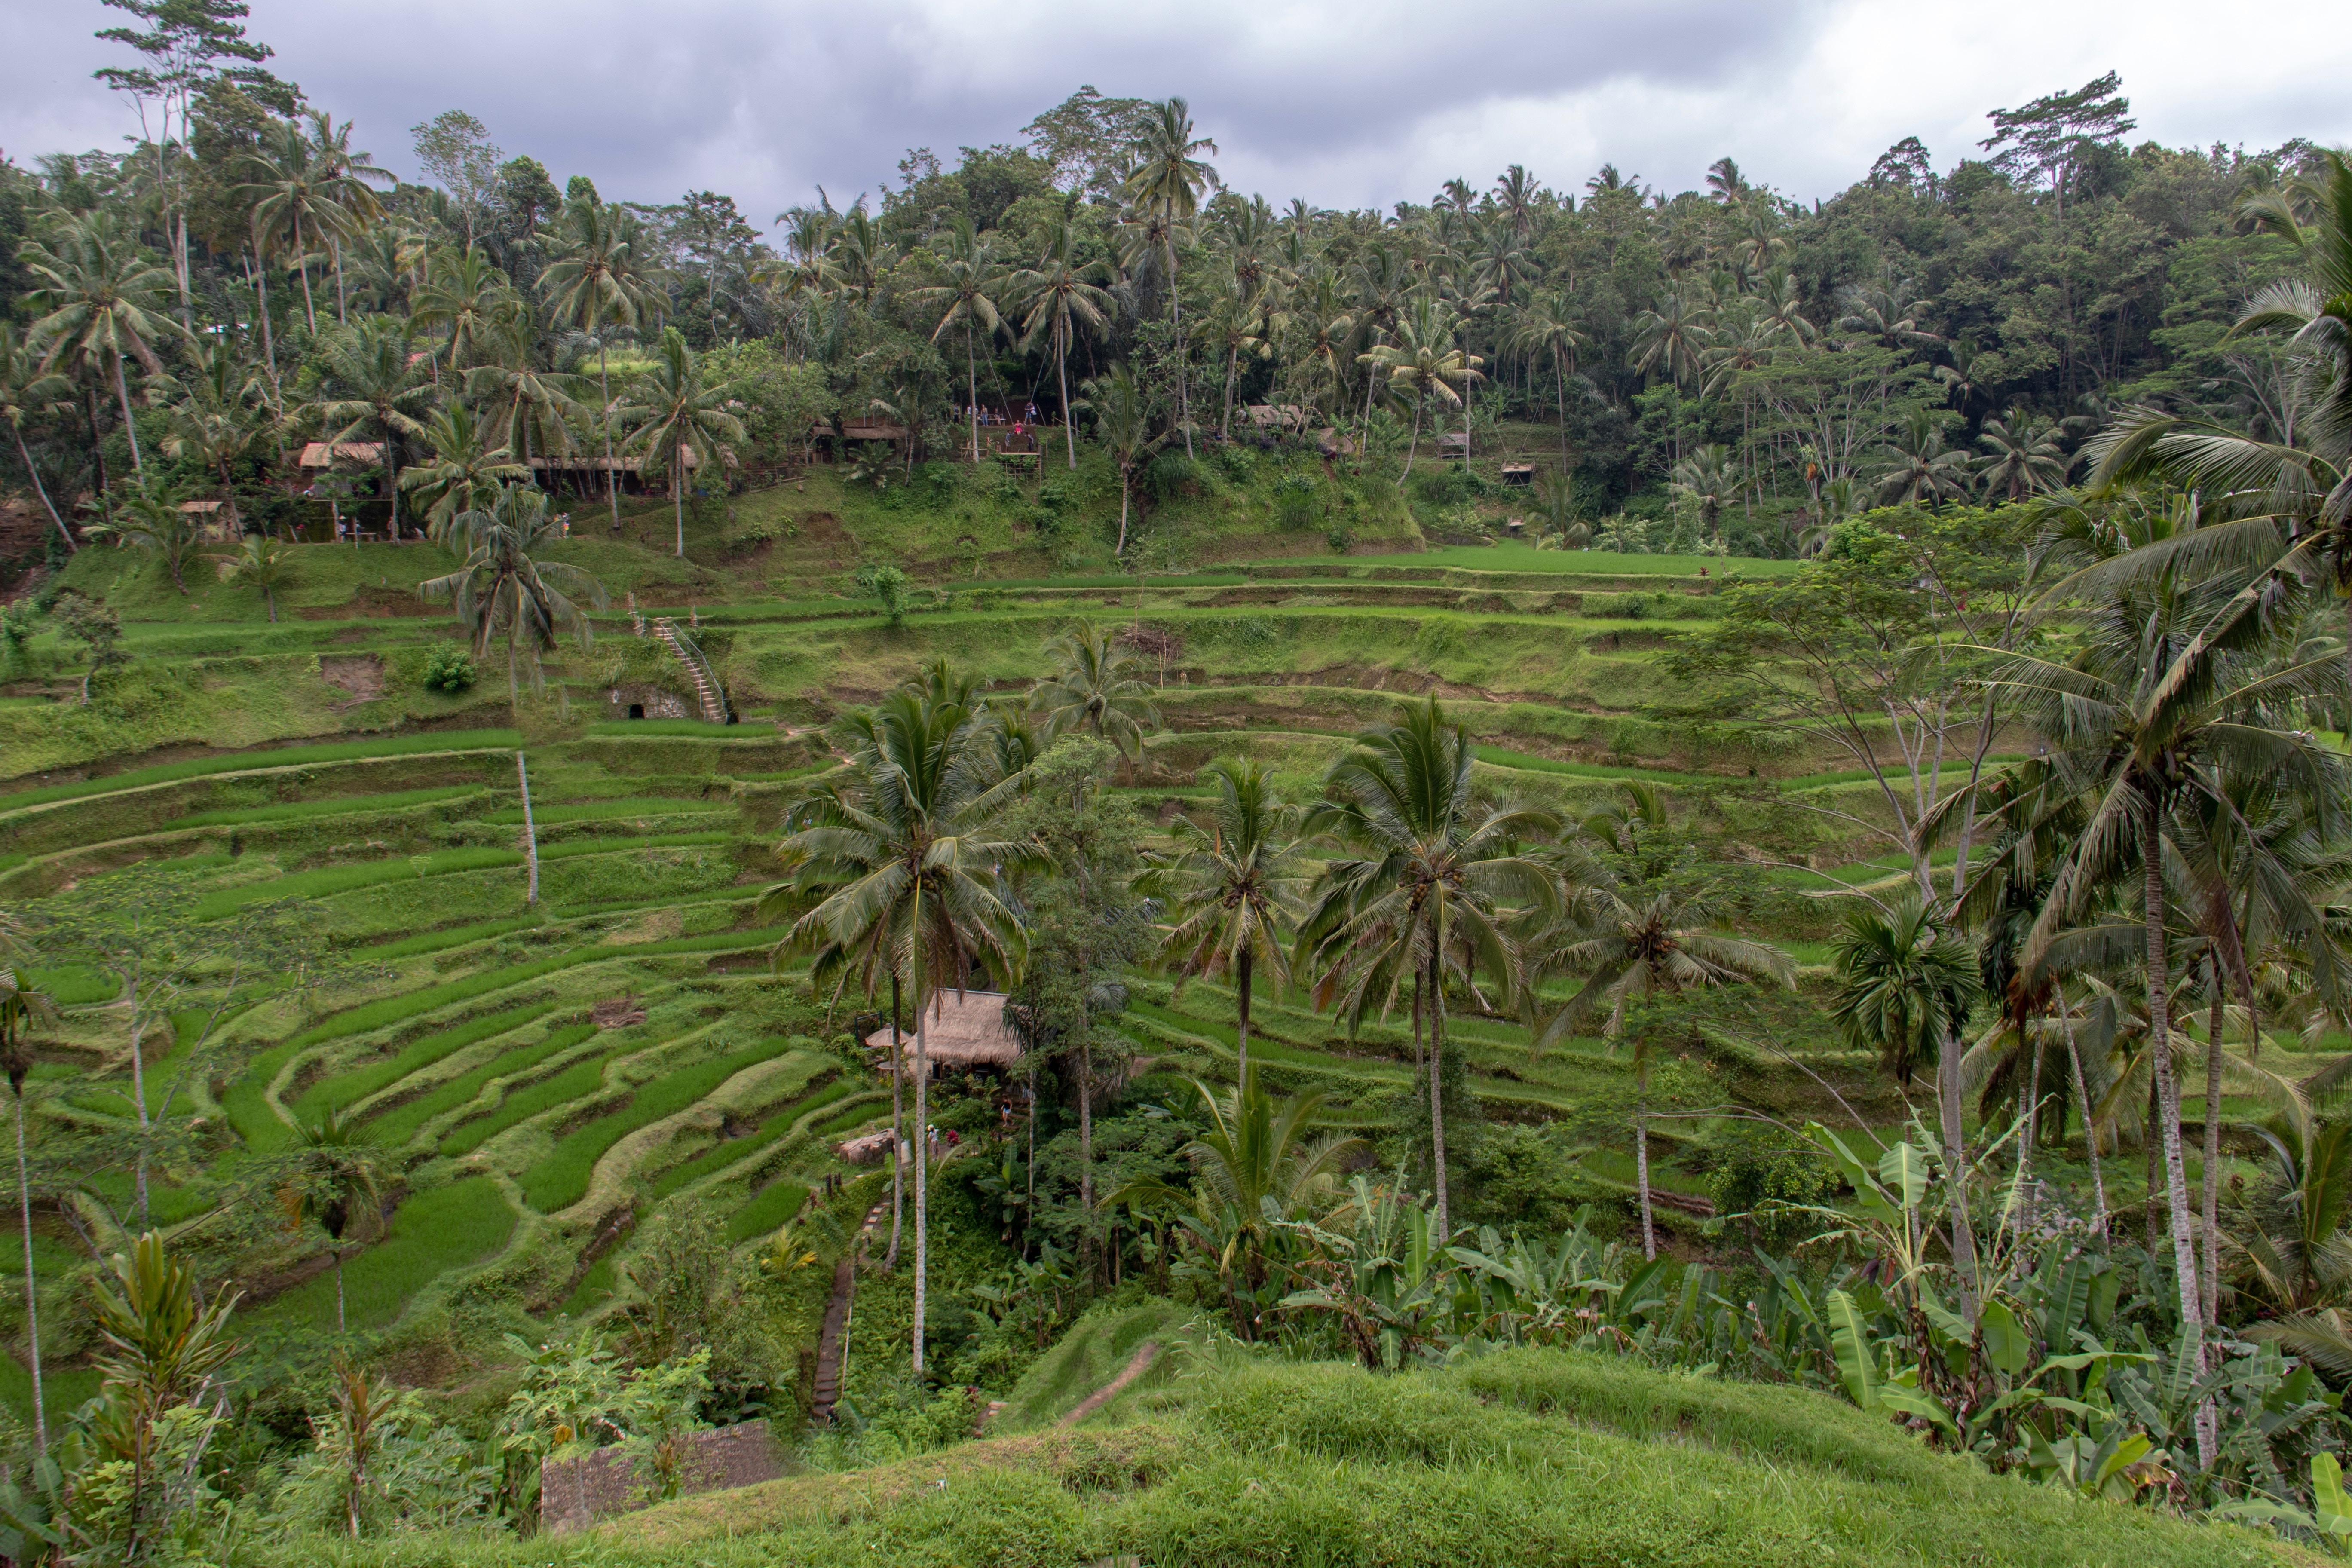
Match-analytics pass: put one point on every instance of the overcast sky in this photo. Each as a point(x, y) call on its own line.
point(1347, 104)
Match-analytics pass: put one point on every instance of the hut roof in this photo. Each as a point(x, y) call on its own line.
point(963, 1030)
point(324, 454)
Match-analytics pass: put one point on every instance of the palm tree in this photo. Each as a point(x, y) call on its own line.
point(597, 280)
point(464, 296)
point(215, 424)
point(99, 299)
point(1059, 295)
point(1634, 936)
point(162, 1347)
point(263, 563)
point(1919, 470)
point(525, 403)
point(1709, 481)
point(1123, 416)
point(904, 863)
point(1672, 338)
point(1905, 988)
point(151, 518)
point(343, 178)
point(1096, 686)
point(1232, 888)
point(2024, 456)
point(1167, 185)
point(27, 391)
point(966, 296)
point(1239, 327)
point(20, 1005)
point(465, 472)
point(504, 586)
point(1424, 362)
point(368, 383)
point(1426, 887)
point(1547, 326)
point(295, 192)
point(686, 423)
point(2163, 692)
point(338, 1180)
point(1257, 1164)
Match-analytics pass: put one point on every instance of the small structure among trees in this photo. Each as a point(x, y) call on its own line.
point(966, 1030)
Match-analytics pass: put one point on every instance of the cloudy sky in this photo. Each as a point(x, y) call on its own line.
point(1347, 104)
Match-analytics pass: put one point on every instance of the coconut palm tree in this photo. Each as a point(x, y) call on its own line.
point(99, 299)
point(338, 1180)
point(465, 297)
point(1547, 326)
point(150, 516)
point(27, 391)
point(2168, 686)
point(965, 296)
point(1919, 468)
point(598, 279)
point(505, 587)
point(300, 199)
point(684, 421)
point(1423, 362)
point(1232, 890)
point(1123, 417)
point(1671, 339)
point(903, 858)
point(343, 176)
point(215, 423)
point(1059, 296)
point(1096, 686)
point(263, 563)
point(1165, 189)
point(1426, 889)
point(527, 409)
point(2023, 456)
point(22, 1005)
point(1709, 480)
point(464, 473)
point(368, 384)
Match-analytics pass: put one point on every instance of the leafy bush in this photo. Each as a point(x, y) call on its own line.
point(449, 669)
point(1172, 474)
point(1294, 502)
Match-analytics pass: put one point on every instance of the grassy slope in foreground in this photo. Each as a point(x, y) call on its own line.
point(1524, 1457)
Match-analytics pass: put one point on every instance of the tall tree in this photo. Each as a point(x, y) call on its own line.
point(1059, 296)
point(1426, 888)
point(369, 384)
point(340, 1179)
point(1169, 180)
point(1097, 686)
point(1234, 888)
point(505, 586)
point(598, 280)
point(684, 421)
point(965, 296)
point(100, 301)
point(27, 391)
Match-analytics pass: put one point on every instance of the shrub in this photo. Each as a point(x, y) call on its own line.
point(449, 669)
point(1294, 502)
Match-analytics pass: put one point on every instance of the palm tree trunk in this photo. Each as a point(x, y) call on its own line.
point(1642, 1162)
point(341, 1327)
point(1437, 1093)
point(341, 317)
point(32, 1296)
point(261, 298)
point(611, 475)
point(1225, 420)
point(678, 499)
point(139, 1096)
point(2167, 1091)
point(1089, 1259)
point(897, 1129)
point(1062, 370)
point(530, 831)
point(130, 428)
point(2090, 1126)
point(1122, 512)
point(2211, 1281)
point(1242, 989)
point(972, 392)
point(309, 310)
point(1412, 447)
point(41, 491)
point(1559, 380)
point(1176, 312)
point(2025, 1134)
point(1956, 1158)
point(922, 1148)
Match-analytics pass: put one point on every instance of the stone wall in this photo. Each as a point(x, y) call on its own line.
point(575, 1493)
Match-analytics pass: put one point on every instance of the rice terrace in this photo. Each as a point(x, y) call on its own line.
point(1060, 867)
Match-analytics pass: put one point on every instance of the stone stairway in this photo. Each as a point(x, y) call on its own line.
point(825, 1390)
point(707, 695)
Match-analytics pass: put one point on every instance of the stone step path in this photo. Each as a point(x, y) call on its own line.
point(707, 697)
point(826, 1392)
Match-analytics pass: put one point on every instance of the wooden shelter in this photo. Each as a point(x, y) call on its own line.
point(216, 520)
point(1518, 473)
point(1275, 415)
point(964, 1030)
point(327, 454)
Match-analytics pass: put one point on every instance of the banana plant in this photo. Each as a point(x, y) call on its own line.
point(1383, 1278)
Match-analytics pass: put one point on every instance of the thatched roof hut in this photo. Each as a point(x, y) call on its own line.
point(964, 1030)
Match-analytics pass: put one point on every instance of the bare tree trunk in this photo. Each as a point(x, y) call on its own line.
point(1089, 1258)
point(1642, 1166)
point(41, 491)
point(139, 1095)
point(1062, 371)
point(612, 474)
point(32, 1296)
point(922, 1155)
point(2211, 1281)
point(2090, 1125)
point(130, 426)
point(340, 1326)
point(2167, 1091)
point(1955, 1156)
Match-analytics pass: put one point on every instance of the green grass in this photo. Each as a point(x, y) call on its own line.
point(736, 1149)
point(574, 1082)
point(397, 1125)
point(433, 1233)
point(606, 810)
point(1598, 772)
point(580, 846)
point(560, 1179)
point(425, 942)
point(776, 1203)
point(334, 879)
point(74, 984)
point(1521, 557)
point(1094, 1351)
point(663, 727)
point(350, 1087)
point(332, 806)
point(283, 757)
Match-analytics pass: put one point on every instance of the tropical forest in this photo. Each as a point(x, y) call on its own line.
point(1566, 873)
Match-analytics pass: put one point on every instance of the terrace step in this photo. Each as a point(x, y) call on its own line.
point(825, 1389)
point(707, 695)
